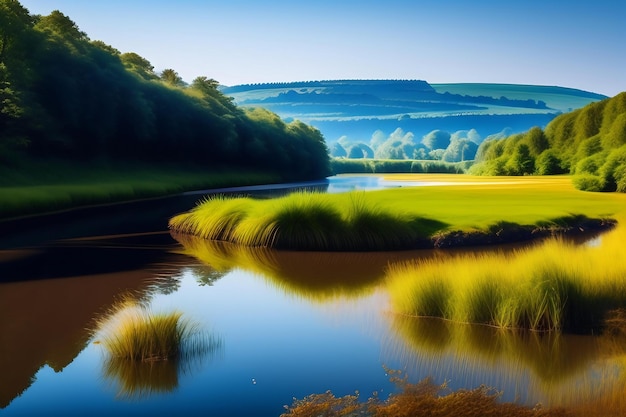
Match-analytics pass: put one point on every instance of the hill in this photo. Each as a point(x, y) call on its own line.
point(589, 143)
point(356, 109)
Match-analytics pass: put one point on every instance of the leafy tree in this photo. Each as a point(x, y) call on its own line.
point(58, 24)
point(14, 22)
point(171, 77)
point(460, 150)
point(139, 65)
point(521, 162)
point(338, 151)
point(106, 47)
point(536, 140)
point(437, 139)
point(548, 163)
point(360, 150)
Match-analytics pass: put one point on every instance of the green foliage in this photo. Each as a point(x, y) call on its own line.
point(171, 77)
point(588, 182)
point(139, 65)
point(83, 100)
point(14, 22)
point(372, 166)
point(588, 142)
point(548, 163)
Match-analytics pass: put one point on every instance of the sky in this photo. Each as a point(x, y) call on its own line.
point(578, 45)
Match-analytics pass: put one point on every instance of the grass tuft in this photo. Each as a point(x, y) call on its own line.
point(552, 286)
point(134, 333)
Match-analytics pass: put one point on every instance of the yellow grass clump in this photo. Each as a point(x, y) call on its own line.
point(133, 332)
point(553, 286)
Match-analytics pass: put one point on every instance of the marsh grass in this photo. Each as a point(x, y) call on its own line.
point(306, 221)
point(132, 332)
point(553, 286)
point(462, 209)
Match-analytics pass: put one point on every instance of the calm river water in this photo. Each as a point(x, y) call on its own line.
point(282, 324)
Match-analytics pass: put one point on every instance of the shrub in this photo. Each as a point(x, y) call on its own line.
point(588, 182)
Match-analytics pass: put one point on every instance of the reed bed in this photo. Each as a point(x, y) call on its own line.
point(307, 221)
point(554, 286)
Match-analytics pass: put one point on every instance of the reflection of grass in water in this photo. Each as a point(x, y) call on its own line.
point(554, 286)
point(141, 379)
point(147, 350)
point(587, 374)
point(314, 275)
point(551, 357)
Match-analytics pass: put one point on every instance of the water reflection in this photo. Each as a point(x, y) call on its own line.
point(312, 275)
point(45, 322)
point(548, 368)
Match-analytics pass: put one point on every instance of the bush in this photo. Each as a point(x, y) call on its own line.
point(588, 182)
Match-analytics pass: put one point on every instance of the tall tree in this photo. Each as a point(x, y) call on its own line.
point(171, 77)
point(139, 65)
point(62, 26)
point(14, 21)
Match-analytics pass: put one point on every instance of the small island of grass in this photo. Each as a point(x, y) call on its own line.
point(396, 219)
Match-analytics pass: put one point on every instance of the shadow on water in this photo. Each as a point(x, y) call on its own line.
point(45, 321)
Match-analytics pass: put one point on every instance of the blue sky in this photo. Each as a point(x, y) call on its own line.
point(545, 42)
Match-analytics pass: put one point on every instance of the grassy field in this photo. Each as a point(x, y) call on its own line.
point(393, 219)
point(52, 186)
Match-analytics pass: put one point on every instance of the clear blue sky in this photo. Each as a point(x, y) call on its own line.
point(545, 42)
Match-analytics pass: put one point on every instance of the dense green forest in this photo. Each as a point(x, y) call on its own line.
point(65, 96)
point(589, 143)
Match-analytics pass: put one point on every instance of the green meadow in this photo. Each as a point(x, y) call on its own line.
point(401, 218)
point(53, 185)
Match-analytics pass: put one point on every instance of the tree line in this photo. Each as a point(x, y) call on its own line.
point(65, 95)
point(589, 143)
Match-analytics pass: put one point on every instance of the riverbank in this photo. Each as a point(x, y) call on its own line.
point(51, 186)
point(437, 211)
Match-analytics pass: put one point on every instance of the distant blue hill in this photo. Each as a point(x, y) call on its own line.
point(357, 110)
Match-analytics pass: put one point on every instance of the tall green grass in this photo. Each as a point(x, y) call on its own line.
point(554, 286)
point(399, 218)
point(307, 221)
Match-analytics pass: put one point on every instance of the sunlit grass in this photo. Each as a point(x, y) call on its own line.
point(133, 332)
point(554, 286)
point(306, 221)
point(398, 218)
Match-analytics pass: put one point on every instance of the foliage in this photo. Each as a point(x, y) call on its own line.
point(588, 142)
point(83, 100)
point(369, 166)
